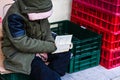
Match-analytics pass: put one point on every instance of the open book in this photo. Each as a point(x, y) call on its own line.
point(63, 43)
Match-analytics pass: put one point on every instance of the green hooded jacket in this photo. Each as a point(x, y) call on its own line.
point(23, 38)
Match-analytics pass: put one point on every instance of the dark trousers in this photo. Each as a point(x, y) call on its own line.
point(53, 71)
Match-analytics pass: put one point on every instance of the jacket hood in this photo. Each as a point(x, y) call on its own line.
point(32, 6)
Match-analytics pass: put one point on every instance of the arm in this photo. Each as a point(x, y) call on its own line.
point(49, 36)
point(21, 41)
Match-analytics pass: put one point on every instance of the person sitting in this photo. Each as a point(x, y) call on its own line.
point(28, 42)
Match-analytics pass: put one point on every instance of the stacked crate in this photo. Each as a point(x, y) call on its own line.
point(86, 45)
point(14, 76)
point(103, 17)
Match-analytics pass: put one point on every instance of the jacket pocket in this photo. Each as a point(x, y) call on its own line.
point(19, 62)
point(9, 52)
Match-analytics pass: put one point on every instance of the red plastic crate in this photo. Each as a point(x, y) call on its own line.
point(104, 5)
point(115, 2)
point(110, 18)
point(107, 35)
point(99, 22)
point(111, 45)
point(110, 54)
point(110, 63)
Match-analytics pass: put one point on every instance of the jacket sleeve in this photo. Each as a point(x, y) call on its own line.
point(49, 36)
point(21, 41)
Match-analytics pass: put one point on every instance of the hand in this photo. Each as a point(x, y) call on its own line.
point(43, 56)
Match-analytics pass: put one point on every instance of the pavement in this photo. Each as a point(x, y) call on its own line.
point(94, 73)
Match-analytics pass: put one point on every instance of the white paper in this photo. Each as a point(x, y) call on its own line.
point(63, 43)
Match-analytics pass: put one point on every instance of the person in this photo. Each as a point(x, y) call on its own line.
point(28, 43)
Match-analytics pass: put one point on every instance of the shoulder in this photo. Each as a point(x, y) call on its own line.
point(15, 17)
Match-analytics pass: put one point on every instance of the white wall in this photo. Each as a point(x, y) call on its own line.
point(2, 4)
point(61, 9)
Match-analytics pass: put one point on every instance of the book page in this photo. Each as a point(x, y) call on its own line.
point(63, 43)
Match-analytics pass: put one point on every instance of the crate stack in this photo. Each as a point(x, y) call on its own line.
point(86, 48)
point(103, 17)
